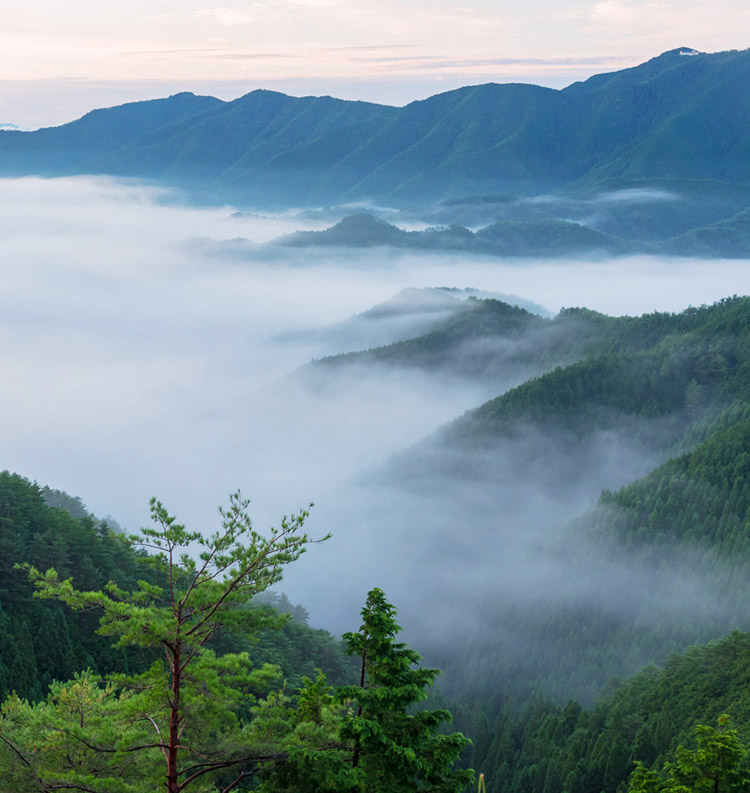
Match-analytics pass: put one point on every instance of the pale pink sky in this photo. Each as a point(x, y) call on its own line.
point(59, 59)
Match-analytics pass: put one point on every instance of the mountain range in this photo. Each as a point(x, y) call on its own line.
point(679, 120)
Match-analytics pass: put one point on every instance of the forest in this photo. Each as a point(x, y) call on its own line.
point(170, 660)
point(205, 690)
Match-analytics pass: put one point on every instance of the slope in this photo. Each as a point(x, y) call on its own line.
point(678, 118)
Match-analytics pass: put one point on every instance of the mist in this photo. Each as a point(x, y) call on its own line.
point(138, 362)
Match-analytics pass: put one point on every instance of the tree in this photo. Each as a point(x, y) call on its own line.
point(395, 748)
point(368, 738)
point(718, 764)
point(185, 708)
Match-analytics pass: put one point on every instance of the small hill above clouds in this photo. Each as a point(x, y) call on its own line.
point(548, 237)
point(410, 312)
point(357, 230)
point(439, 298)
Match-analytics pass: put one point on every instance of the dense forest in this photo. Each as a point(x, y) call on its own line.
point(208, 691)
point(549, 695)
point(45, 641)
point(652, 567)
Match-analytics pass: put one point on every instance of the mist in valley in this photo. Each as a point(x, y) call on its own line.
point(145, 355)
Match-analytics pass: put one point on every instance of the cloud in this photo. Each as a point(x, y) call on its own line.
point(619, 12)
point(708, 27)
point(443, 62)
point(140, 361)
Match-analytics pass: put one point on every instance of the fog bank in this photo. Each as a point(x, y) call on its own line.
point(137, 363)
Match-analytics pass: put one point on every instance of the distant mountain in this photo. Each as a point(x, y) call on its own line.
point(679, 119)
point(548, 237)
point(729, 238)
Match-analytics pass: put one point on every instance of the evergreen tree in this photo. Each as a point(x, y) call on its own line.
point(367, 738)
point(718, 764)
point(190, 701)
point(396, 749)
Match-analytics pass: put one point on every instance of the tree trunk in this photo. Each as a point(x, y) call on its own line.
point(355, 757)
point(174, 724)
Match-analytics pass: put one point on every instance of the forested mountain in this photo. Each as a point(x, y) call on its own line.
point(207, 691)
point(678, 120)
point(656, 563)
point(549, 237)
point(651, 567)
point(552, 747)
point(648, 569)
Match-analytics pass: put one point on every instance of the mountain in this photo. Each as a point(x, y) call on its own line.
point(729, 238)
point(504, 238)
point(612, 462)
point(566, 747)
point(612, 577)
point(650, 565)
point(678, 119)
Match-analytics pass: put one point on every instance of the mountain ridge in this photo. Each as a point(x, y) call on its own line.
point(672, 117)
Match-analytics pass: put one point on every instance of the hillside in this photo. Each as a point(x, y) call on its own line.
point(653, 411)
point(676, 122)
point(554, 747)
point(604, 525)
point(502, 238)
point(570, 581)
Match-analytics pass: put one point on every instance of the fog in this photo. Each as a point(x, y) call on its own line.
point(139, 362)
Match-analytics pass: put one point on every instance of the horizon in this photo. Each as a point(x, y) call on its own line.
point(221, 91)
point(58, 62)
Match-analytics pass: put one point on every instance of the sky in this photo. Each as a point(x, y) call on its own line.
point(58, 60)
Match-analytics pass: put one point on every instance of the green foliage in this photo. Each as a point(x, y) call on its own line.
point(641, 721)
point(43, 641)
point(718, 764)
point(444, 347)
point(395, 749)
point(191, 699)
point(81, 737)
point(201, 720)
point(369, 737)
point(678, 385)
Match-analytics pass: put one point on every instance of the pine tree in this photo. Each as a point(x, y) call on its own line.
point(367, 738)
point(718, 764)
point(396, 748)
point(188, 701)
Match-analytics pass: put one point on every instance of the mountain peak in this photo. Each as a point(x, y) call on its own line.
point(680, 51)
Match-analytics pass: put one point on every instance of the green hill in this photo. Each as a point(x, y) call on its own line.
point(503, 238)
point(557, 748)
point(678, 119)
point(652, 565)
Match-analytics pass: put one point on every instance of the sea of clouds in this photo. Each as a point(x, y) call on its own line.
point(143, 353)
